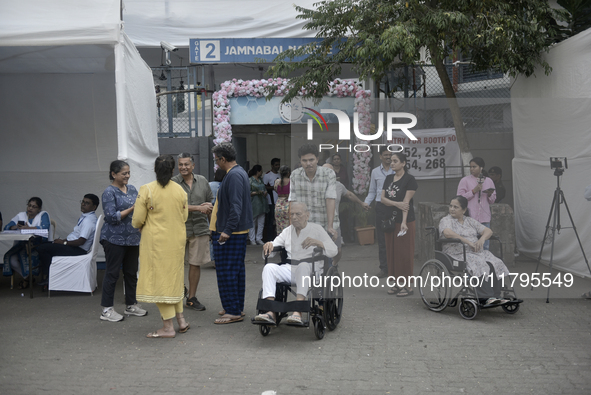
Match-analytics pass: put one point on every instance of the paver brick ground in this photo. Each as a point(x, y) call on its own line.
point(383, 345)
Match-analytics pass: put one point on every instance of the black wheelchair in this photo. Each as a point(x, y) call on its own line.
point(437, 298)
point(323, 306)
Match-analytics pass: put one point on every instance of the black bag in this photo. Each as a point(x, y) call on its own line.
point(386, 217)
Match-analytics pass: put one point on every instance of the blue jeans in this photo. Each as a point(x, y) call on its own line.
point(486, 243)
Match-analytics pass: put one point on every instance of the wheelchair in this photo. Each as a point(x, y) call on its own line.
point(323, 306)
point(437, 298)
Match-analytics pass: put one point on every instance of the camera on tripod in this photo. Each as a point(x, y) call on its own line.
point(556, 164)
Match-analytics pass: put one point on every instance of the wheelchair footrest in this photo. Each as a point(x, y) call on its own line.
point(283, 307)
point(253, 321)
point(304, 324)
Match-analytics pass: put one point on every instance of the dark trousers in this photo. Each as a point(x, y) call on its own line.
point(120, 258)
point(489, 289)
point(269, 232)
point(381, 246)
point(48, 250)
point(230, 270)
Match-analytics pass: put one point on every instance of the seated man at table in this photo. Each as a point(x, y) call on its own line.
point(79, 242)
point(299, 240)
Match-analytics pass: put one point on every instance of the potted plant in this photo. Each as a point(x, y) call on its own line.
point(365, 232)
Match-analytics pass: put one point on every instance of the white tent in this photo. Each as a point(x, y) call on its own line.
point(150, 21)
point(552, 118)
point(75, 95)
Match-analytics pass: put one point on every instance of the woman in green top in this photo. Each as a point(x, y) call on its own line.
point(258, 197)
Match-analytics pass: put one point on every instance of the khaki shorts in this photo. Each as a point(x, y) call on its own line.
point(197, 250)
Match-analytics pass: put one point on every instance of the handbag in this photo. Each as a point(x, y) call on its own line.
point(387, 217)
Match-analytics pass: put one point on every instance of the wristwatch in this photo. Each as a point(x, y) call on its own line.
point(65, 242)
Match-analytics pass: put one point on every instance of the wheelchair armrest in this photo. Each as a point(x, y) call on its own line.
point(275, 249)
point(445, 241)
point(498, 239)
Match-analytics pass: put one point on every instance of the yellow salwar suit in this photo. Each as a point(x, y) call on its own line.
point(161, 213)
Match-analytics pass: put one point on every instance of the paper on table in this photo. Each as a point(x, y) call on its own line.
point(38, 232)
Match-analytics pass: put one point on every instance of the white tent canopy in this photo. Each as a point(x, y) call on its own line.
point(76, 95)
point(551, 118)
point(150, 21)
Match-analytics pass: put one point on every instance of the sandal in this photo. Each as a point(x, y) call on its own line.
point(404, 292)
point(294, 319)
point(393, 291)
point(223, 312)
point(586, 295)
point(228, 320)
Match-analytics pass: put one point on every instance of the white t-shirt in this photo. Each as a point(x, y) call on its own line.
point(269, 180)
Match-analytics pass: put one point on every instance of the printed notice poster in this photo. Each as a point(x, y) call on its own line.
point(431, 152)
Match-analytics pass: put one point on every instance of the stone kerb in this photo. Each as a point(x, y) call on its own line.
point(502, 224)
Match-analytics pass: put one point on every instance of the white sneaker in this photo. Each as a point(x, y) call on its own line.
point(111, 315)
point(135, 310)
point(260, 242)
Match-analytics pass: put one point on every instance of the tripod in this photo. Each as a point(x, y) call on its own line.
point(555, 217)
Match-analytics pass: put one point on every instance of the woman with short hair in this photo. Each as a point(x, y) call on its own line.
point(120, 242)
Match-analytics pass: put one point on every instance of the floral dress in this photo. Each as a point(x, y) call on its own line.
point(476, 261)
point(281, 207)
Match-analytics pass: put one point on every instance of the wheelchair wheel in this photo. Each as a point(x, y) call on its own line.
point(510, 308)
point(435, 298)
point(468, 309)
point(318, 328)
point(333, 303)
point(264, 329)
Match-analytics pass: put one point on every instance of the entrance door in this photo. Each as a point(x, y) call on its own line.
point(240, 146)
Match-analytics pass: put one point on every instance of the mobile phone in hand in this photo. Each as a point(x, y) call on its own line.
point(21, 223)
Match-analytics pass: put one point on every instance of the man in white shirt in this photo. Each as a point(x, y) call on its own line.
point(79, 242)
point(299, 240)
point(378, 176)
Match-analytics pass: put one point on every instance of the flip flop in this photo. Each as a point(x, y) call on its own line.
point(265, 318)
point(222, 312)
point(155, 335)
point(185, 329)
point(228, 320)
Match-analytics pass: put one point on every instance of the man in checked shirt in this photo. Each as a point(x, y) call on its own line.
point(315, 186)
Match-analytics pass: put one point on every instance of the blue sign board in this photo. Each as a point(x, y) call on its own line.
point(242, 50)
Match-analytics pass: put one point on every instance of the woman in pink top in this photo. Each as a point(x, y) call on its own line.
point(282, 205)
point(480, 192)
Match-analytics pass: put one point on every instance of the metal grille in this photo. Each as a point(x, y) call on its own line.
point(183, 103)
point(484, 97)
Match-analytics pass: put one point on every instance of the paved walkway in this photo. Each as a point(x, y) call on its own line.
point(384, 345)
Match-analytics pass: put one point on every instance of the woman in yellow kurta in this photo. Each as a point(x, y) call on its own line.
point(160, 213)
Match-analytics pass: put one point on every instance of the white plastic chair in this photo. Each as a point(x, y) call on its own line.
point(76, 273)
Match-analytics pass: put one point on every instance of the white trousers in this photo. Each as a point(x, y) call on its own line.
point(299, 275)
point(259, 224)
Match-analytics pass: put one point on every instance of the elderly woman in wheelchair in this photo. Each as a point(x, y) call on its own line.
point(304, 242)
point(462, 240)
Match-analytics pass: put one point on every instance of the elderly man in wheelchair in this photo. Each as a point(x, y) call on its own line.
point(301, 240)
point(462, 240)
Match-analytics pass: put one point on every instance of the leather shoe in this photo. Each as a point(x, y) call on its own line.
point(382, 274)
